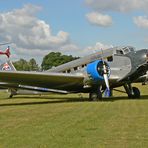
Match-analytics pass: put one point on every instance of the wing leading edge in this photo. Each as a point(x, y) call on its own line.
point(61, 81)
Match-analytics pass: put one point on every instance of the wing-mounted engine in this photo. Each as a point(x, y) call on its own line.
point(97, 69)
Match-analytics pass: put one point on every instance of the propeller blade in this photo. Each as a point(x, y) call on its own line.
point(105, 75)
point(107, 91)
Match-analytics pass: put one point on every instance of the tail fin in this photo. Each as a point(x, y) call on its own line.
point(8, 52)
point(7, 66)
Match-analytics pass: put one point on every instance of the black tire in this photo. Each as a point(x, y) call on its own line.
point(136, 92)
point(95, 96)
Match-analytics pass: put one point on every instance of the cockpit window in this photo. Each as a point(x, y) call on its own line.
point(124, 50)
point(119, 52)
point(131, 48)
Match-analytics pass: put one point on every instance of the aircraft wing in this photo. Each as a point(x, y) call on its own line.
point(60, 81)
point(55, 80)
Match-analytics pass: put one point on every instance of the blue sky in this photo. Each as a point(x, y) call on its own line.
point(36, 28)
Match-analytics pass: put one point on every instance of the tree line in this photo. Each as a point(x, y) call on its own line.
point(50, 60)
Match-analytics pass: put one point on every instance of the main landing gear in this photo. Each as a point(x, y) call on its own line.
point(132, 92)
point(95, 94)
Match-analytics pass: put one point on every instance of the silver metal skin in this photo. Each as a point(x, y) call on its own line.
point(126, 65)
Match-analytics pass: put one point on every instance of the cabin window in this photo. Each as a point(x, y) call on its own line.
point(68, 71)
point(75, 68)
point(119, 52)
point(83, 66)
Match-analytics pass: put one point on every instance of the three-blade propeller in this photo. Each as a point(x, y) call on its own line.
point(106, 73)
point(106, 76)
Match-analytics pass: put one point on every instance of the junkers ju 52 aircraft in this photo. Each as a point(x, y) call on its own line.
point(94, 74)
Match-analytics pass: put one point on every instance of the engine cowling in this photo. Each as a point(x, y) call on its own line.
point(96, 70)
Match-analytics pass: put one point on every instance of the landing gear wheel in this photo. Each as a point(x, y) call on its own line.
point(132, 92)
point(136, 92)
point(95, 96)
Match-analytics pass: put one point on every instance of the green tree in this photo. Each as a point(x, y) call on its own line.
point(55, 59)
point(23, 65)
point(33, 65)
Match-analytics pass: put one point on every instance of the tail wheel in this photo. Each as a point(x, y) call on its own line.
point(12, 92)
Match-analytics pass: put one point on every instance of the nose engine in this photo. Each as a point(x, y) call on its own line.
point(98, 69)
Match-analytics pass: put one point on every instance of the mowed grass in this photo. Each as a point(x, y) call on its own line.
point(71, 121)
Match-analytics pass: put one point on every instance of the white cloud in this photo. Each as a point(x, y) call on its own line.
point(141, 21)
point(27, 32)
point(118, 5)
point(97, 47)
point(32, 37)
point(99, 19)
point(74, 50)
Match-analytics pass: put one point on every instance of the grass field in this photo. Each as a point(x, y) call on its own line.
point(70, 121)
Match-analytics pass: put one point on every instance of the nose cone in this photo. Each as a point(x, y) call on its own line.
point(145, 54)
point(141, 57)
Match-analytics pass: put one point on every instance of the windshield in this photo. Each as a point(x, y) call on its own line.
point(124, 50)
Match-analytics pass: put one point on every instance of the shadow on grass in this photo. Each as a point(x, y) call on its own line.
point(54, 100)
point(143, 97)
point(49, 101)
